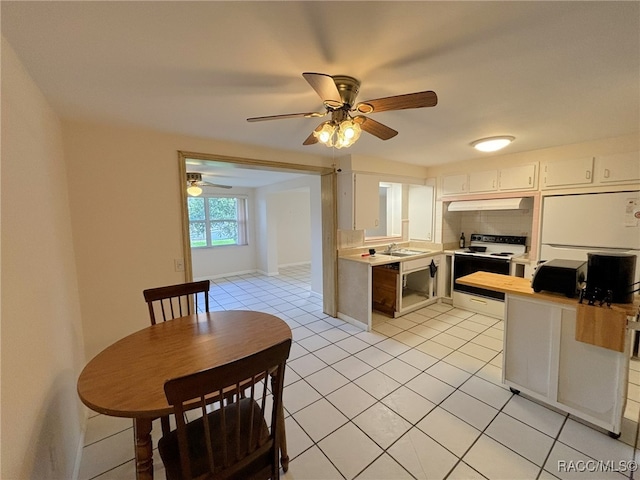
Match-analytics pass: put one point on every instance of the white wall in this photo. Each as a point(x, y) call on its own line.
point(293, 209)
point(127, 220)
point(41, 346)
point(285, 221)
point(269, 213)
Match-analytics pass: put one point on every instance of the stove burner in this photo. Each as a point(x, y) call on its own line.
point(501, 254)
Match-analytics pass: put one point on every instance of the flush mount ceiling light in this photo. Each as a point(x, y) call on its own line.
point(492, 144)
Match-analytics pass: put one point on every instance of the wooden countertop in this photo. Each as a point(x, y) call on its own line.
point(521, 286)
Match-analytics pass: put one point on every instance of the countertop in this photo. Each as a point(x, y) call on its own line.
point(382, 259)
point(522, 286)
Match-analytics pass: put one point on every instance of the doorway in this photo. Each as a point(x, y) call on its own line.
point(226, 170)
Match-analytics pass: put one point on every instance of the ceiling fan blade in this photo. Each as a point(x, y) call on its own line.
point(375, 128)
point(399, 102)
point(207, 184)
point(325, 87)
point(287, 115)
point(310, 140)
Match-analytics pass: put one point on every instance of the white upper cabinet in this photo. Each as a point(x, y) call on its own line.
point(455, 184)
point(567, 173)
point(366, 201)
point(486, 181)
point(618, 168)
point(358, 201)
point(521, 177)
point(420, 212)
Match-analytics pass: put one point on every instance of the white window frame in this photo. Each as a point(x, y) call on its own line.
point(240, 220)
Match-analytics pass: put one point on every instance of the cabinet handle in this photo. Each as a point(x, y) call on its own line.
point(478, 301)
point(606, 173)
point(529, 180)
point(588, 174)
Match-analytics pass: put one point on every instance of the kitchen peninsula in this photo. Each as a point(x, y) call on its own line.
point(395, 283)
point(572, 356)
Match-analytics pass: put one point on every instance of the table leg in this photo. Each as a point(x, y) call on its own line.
point(144, 448)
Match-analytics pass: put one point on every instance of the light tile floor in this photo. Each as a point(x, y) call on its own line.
point(418, 397)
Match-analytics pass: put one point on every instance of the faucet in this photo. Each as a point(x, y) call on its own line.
point(392, 247)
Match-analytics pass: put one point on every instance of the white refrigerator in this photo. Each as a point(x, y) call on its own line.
point(574, 225)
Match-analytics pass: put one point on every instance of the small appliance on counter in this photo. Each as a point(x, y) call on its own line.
point(610, 277)
point(560, 276)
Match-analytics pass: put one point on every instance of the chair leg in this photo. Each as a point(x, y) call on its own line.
point(166, 427)
point(284, 456)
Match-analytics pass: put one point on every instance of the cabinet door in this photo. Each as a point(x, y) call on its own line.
point(531, 345)
point(454, 184)
point(580, 364)
point(384, 289)
point(483, 181)
point(420, 212)
point(366, 202)
point(518, 178)
point(621, 167)
point(566, 173)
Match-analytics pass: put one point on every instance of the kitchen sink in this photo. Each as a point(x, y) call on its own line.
point(405, 252)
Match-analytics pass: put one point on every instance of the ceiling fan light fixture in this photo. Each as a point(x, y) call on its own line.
point(348, 133)
point(492, 144)
point(338, 135)
point(194, 190)
point(325, 134)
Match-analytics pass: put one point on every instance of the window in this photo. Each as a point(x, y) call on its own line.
point(217, 220)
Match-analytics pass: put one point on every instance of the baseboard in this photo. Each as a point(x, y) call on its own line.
point(222, 275)
point(245, 272)
point(352, 321)
point(315, 294)
point(285, 265)
point(268, 274)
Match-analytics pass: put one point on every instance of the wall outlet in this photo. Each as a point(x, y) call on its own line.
point(178, 264)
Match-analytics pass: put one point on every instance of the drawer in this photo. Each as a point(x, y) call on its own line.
point(416, 264)
point(482, 305)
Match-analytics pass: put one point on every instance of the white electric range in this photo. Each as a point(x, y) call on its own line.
point(489, 253)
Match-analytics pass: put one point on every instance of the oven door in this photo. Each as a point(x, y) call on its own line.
point(467, 264)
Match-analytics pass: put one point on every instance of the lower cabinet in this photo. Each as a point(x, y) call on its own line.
point(402, 287)
point(543, 359)
point(384, 288)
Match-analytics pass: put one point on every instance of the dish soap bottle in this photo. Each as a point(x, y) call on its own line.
point(462, 240)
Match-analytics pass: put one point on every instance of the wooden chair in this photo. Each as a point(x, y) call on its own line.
point(235, 437)
point(176, 300)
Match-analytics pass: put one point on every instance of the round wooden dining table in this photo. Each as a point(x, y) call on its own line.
point(127, 378)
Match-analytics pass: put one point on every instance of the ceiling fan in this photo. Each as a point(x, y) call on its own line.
point(338, 93)
point(195, 184)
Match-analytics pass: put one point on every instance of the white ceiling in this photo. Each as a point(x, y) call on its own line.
point(548, 73)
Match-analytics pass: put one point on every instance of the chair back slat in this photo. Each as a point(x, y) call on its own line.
point(176, 300)
point(234, 435)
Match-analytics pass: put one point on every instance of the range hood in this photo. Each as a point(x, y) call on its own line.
point(491, 204)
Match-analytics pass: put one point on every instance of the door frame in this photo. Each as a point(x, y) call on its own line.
point(328, 195)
